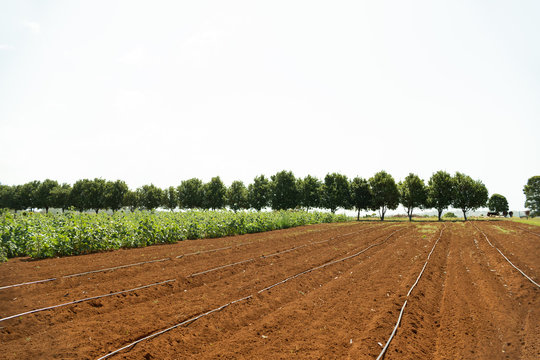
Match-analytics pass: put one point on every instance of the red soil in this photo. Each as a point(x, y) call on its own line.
point(470, 303)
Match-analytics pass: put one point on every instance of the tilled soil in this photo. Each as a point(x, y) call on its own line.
point(470, 302)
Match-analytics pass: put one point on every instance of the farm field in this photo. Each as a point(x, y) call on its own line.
point(329, 291)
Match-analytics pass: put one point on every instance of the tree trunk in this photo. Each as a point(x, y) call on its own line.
point(97, 211)
point(440, 213)
point(409, 212)
point(382, 212)
point(464, 214)
point(46, 210)
point(358, 216)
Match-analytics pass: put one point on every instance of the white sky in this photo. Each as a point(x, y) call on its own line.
point(159, 92)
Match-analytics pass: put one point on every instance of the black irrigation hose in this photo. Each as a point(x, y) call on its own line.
point(130, 265)
point(185, 322)
point(527, 230)
point(85, 299)
point(242, 299)
point(383, 351)
point(504, 256)
point(163, 282)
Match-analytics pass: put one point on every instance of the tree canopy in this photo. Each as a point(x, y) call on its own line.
point(284, 193)
point(214, 194)
point(440, 191)
point(469, 194)
point(335, 192)
point(385, 192)
point(259, 193)
point(237, 196)
point(413, 193)
point(498, 203)
point(361, 198)
point(309, 189)
point(190, 194)
point(532, 195)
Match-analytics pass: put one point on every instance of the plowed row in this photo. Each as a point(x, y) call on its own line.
point(470, 303)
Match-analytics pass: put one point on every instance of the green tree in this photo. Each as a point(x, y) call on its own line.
point(259, 193)
point(131, 200)
point(214, 194)
point(310, 189)
point(149, 196)
point(114, 194)
point(412, 193)
point(191, 194)
point(336, 192)
point(284, 193)
point(498, 203)
point(97, 194)
point(7, 197)
point(360, 195)
point(237, 196)
point(27, 195)
point(469, 194)
point(170, 198)
point(60, 196)
point(440, 191)
point(43, 196)
point(532, 195)
point(80, 194)
point(385, 192)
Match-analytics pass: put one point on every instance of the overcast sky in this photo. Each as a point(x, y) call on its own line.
point(162, 91)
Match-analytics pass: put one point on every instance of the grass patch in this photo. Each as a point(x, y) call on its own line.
point(530, 221)
point(426, 228)
point(503, 230)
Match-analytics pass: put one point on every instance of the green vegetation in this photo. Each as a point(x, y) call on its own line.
point(503, 230)
point(469, 194)
point(450, 215)
point(282, 191)
point(385, 193)
point(412, 193)
point(530, 221)
point(41, 236)
point(427, 228)
point(532, 194)
point(498, 203)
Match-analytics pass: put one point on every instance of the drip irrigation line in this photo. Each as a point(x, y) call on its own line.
point(235, 301)
point(327, 264)
point(158, 283)
point(136, 264)
point(398, 322)
point(383, 351)
point(85, 299)
point(504, 256)
point(185, 322)
point(28, 283)
point(221, 267)
point(527, 230)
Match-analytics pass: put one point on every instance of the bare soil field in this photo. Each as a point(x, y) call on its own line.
point(329, 291)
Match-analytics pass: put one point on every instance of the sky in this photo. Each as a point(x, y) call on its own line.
point(163, 91)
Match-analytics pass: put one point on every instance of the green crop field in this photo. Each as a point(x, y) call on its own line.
point(41, 236)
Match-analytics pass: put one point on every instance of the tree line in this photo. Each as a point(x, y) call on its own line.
point(280, 191)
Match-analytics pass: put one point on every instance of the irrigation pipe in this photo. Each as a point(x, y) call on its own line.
point(527, 230)
point(84, 273)
point(85, 299)
point(504, 256)
point(242, 299)
point(398, 322)
point(273, 254)
point(159, 283)
point(185, 322)
point(327, 264)
point(136, 264)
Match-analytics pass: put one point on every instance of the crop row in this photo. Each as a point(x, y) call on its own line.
point(41, 236)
